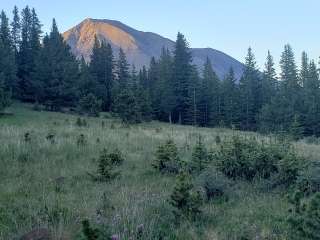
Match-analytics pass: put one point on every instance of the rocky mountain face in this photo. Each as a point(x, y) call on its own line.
point(139, 46)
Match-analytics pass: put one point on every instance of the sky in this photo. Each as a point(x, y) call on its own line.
point(230, 26)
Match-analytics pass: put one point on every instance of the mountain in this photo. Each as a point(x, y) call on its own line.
point(139, 46)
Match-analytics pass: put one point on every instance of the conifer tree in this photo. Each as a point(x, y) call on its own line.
point(16, 29)
point(229, 101)
point(7, 59)
point(101, 70)
point(209, 97)
point(250, 90)
point(56, 72)
point(182, 74)
point(269, 81)
point(29, 50)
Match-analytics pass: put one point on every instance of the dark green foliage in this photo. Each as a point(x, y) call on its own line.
point(126, 107)
point(90, 105)
point(184, 199)
point(214, 183)
point(200, 156)
point(308, 180)
point(304, 217)
point(107, 162)
point(5, 99)
point(88, 232)
point(167, 158)
point(81, 140)
point(249, 158)
point(250, 92)
point(101, 70)
point(56, 72)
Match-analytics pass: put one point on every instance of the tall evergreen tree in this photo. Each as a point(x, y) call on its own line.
point(122, 70)
point(209, 96)
point(182, 74)
point(56, 72)
point(16, 29)
point(102, 69)
point(229, 103)
point(269, 81)
point(250, 87)
point(29, 50)
point(7, 59)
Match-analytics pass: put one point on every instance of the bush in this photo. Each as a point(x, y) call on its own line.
point(250, 158)
point(107, 163)
point(304, 218)
point(214, 183)
point(90, 105)
point(167, 158)
point(199, 156)
point(184, 199)
point(308, 180)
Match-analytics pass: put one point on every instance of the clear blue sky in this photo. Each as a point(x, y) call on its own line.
point(229, 25)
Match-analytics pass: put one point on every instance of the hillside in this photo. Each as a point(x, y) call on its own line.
point(139, 46)
point(45, 182)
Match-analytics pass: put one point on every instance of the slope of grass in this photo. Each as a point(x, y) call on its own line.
point(47, 184)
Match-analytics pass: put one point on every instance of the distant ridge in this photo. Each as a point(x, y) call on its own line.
point(140, 46)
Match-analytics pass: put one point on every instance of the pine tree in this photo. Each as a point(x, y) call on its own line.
point(4, 94)
point(250, 90)
point(101, 69)
point(229, 101)
point(311, 96)
point(7, 59)
point(269, 81)
point(209, 97)
point(122, 70)
point(29, 50)
point(16, 29)
point(56, 72)
point(164, 97)
point(182, 74)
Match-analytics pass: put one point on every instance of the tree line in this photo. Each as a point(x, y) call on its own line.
point(42, 70)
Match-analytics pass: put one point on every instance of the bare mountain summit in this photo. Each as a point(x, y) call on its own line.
point(139, 46)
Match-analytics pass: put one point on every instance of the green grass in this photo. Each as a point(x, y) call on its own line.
point(47, 185)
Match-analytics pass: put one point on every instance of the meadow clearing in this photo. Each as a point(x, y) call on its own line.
point(44, 181)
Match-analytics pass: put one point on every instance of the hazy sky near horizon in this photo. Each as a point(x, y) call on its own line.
point(230, 25)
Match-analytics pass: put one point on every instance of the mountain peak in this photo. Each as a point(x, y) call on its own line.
point(138, 46)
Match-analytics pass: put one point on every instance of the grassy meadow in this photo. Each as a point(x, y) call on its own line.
point(44, 181)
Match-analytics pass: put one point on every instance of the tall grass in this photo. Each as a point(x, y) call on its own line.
point(46, 184)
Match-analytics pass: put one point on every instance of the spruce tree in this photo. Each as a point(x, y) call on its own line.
point(56, 72)
point(229, 101)
point(101, 70)
point(209, 97)
point(29, 50)
point(250, 90)
point(269, 81)
point(16, 29)
point(182, 74)
point(7, 59)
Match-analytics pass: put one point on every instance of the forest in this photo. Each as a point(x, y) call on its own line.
point(40, 69)
point(100, 150)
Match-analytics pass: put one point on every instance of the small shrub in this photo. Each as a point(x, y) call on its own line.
point(51, 138)
point(27, 137)
point(185, 201)
point(89, 233)
point(107, 163)
point(308, 180)
point(81, 140)
point(218, 139)
point(214, 183)
point(81, 122)
point(167, 158)
point(90, 105)
point(249, 158)
point(304, 218)
point(199, 156)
